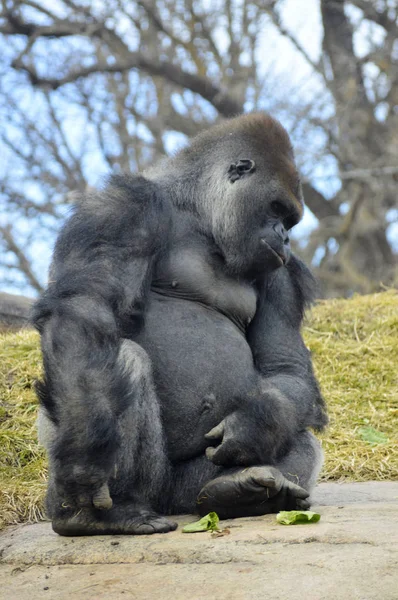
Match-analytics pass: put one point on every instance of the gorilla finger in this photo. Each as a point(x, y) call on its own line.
point(296, 491)
point(303, 504)
point(217, 432)
point(210, 452)
point(223, 455)
point(260, 481)
point(102, 498)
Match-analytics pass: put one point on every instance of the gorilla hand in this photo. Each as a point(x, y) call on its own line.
point(83, 486)
point(242, 441)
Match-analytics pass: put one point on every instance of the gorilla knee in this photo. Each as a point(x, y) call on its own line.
point(317, 456)
point(135, 360)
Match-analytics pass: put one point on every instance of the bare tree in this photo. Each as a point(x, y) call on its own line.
point(361, 134)
point(92, 87)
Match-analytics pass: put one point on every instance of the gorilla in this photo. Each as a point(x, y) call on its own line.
point(175, 376)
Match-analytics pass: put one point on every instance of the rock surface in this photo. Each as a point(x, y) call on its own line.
point(14, 311)
point(352, 553)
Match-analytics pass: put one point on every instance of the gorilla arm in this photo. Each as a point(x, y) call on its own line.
point(100, 278)
point(287, 399)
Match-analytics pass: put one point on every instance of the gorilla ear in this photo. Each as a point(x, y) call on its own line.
point(245, 166)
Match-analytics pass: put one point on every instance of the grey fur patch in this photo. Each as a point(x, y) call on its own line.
point(46, 429)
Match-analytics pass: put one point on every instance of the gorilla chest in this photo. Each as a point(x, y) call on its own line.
point(194, 333)
point(190, 275)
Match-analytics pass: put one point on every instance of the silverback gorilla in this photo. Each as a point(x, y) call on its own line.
point(176, 379)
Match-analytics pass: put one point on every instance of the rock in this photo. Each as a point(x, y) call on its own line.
point(351, 492)
point(14, 311)
point(351, 553)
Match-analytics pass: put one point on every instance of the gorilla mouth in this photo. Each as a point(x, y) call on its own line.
point(281, 258)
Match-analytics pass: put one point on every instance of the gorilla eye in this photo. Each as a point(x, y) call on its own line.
point(241, 168)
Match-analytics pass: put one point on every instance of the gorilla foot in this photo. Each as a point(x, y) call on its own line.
point(250, 492)
point(123, 519)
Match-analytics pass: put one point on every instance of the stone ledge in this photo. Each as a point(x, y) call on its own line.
point(355, 524)
point(352, 553)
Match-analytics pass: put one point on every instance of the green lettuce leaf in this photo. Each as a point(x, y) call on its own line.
point(207, 523)
point(293, 517)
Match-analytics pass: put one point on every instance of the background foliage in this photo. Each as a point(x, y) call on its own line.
point(89, 87)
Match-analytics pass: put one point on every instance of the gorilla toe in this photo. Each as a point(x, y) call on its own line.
point(119, 520)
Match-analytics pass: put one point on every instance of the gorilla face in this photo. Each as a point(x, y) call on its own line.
point(241, 179)
point(260, 203)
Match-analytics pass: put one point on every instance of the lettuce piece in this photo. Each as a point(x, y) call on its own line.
point(207, 523)
point(293, 517)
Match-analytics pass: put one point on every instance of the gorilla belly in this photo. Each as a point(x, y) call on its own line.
point(202, 366)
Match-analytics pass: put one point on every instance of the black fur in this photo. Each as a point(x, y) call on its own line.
point(170, 329)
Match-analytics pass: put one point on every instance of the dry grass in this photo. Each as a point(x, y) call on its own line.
point(355, 348)
point(22, 461)
point(354, 344)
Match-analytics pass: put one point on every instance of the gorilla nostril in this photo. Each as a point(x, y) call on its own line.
point(279, 229)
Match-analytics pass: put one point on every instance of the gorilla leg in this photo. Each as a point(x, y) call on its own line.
point(141, 465)
point(186, 481)
point(251, 491)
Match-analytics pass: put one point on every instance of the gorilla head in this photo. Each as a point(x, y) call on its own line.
point(250, 193)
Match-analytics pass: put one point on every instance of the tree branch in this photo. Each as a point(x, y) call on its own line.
point(372, 14)
point(318, 204)
point(368, 173)
point(61, 28)
point(218, 97)
point(338, 44)
point(23, 262)
point(276, 20)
